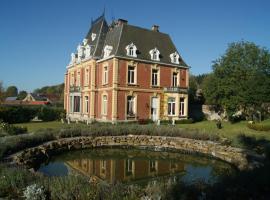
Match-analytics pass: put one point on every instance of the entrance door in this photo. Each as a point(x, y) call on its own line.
point(154, 107)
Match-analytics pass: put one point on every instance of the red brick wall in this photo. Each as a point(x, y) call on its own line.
point(143, 105)
point(99, 74)
point(183, 78)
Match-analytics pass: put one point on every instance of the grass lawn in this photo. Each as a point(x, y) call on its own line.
point(228, 130)
point(34, 126)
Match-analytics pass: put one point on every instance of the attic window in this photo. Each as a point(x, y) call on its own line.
point(174, 58)
point(107, 51)
point(87, 51)
point(93, 36)
point(131, 50)
point(155, 54)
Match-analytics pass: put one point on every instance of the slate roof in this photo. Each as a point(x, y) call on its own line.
point(120, 35)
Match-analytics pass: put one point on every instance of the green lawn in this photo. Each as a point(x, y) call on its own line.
point(228, 130)
point(34, 126)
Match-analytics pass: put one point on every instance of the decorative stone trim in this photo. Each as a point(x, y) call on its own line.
point(240, 158)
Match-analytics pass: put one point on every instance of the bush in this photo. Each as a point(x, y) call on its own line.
point(17, 114)
point(50, 113)
point(8, 129)
point(259, 127)
point(184, 121)
point(34, 192)
point(145, 121)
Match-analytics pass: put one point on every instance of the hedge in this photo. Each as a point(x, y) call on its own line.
point(22, 114)
point(259, 127)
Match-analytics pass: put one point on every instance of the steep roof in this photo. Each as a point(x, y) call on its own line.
point(99, 27)
point(146, 40)
point(120, 35)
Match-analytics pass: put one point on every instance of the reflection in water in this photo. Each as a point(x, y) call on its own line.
point(135, 166)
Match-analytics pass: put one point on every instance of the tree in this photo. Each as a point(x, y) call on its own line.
point(22, 94)
point(11, 91)
point(2, 91)
point(240, 78)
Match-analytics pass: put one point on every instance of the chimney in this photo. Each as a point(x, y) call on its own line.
point(155, 28)
point(122, 21)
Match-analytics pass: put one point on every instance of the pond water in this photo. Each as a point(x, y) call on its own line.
point(136, 166)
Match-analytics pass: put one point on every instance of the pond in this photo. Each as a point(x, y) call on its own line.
point(137, 166)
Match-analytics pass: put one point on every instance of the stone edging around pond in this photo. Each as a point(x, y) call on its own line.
point(242, 159)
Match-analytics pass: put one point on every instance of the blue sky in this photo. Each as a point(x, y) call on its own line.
point(37, 36)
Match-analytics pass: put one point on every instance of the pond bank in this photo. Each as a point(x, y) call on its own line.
point(240, 158)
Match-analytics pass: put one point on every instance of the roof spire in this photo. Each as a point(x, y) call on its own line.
point(104, 9)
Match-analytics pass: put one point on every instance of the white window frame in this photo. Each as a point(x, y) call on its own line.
point(78, 78)
point(86, 104)
point(129, 165)
point(107, 51)
point(131, 73)
point(131, 50)
point(132, 100)
point(174, 58)
point(86, 76)
point(182, 106)
point(155, 77)
point(175, 79)
point(154, 54)
point(171, 106)
point(104, 104)
point(105, 75)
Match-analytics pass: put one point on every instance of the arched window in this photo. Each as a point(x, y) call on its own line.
point(131, 50)
point(154, 54)
point(107, 51)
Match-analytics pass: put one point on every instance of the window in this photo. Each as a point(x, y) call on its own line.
point(105, 75)
point(86, 104)
point(129, 166)
point(175, 81)
point(77, 104)
point(174, 58)
point(154, 77)
point(154, 54)
point(182, 107)
point(86, 79)
point(131, 50)
point(171, 106)
point(131, 74)
point(153, 166)
point(80, 50)
point(72, 79)
point(78, 79)
point(104, 104)
point(107, 51)
point(87, 51)
point(130, 106)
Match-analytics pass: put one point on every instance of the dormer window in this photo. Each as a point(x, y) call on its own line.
point(107, 51)
point(87, 51)
point(174, 58)
point(80, 50)
point(93, 36)
point(73, 58)
point(155, 54)
point(131, 50)
point(85, 42)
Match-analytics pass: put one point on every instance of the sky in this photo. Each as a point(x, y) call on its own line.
point(38, 36)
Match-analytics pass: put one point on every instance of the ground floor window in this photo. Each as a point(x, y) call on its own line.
point(104, 104)
point(77, 104)
point(86, 104)
point(153, 165)
point(130, 106)
point(182, 107)
point(129, 167)
point(171, 106)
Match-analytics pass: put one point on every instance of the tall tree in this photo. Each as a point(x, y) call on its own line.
point(22, 94)
point(240, 78)
point(12, 91)
point(2, 91)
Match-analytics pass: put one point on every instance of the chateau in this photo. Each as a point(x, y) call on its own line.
point(122, 72)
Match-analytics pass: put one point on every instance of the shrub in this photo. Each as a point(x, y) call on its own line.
point(34, 192)
point(259, 127)
point(50, 113)
point(8, 129)
point(17, 114)
point(184, 121)
point(145, 121)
